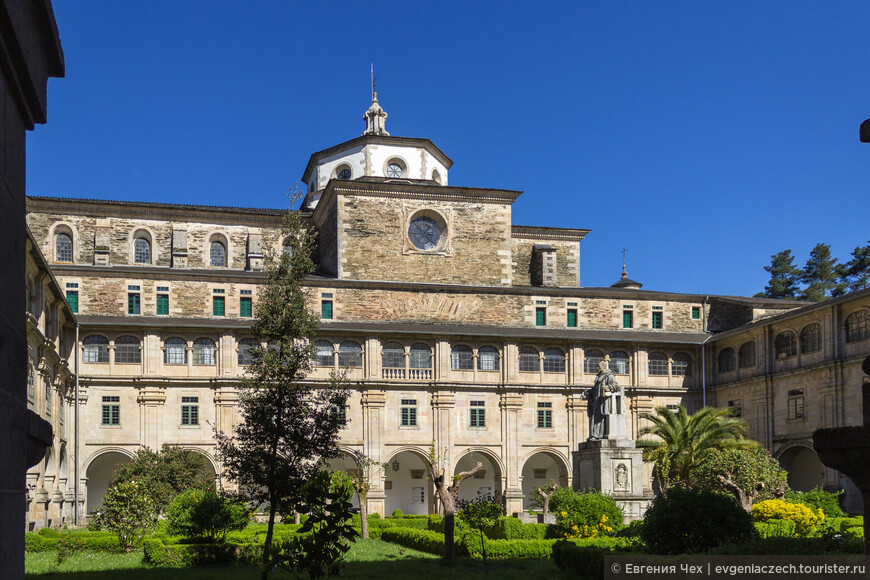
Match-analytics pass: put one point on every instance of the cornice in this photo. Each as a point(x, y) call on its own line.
point(544, 233)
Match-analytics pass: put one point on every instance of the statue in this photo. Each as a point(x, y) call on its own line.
point(606, 398)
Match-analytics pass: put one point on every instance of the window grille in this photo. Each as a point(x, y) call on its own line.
point(204, 351)
point(487, 359)
point(461, 358)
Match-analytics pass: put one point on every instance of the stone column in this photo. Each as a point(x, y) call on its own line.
point(151, 400)
point(510, 406)
point(373, 403)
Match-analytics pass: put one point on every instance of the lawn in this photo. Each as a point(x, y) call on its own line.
point(367, 559)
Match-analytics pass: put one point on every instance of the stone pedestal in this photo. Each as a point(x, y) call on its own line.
point(615, 467)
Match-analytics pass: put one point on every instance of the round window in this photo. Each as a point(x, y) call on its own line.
point(394, 170)
point(424, 233)
point(344, 173)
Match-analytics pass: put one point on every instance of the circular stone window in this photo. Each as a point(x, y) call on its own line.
point(394, 170)
point(344, 173)
point(425, 233)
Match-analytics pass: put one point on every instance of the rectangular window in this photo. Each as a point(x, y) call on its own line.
point(246, 307)
point(735, 407)
point(409, 412)
point(477, 415)
point(72, 298)
point(340, 414)
point(696, 312)
point(627, 319)
point(541, 316)
point(218, 306)
point(111, 410)
point(326, 309)
point(796, 404)
point(545, 415)
point(163, 305)
point(133, 303)
point(657, 318)
point(572, 318)
point(673, 408)
point(190, 410)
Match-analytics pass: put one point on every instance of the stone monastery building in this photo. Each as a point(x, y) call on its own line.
point(455, 326)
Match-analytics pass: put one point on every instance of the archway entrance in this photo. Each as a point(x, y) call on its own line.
point(345, 463)
point(805, 471)
point(100, 473)
point(406, 485)
point(541, 468)
point(487, 481)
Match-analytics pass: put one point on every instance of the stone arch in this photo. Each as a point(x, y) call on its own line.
point(223, 238)
point(805, 470)
point(552, 462)
point(141, 231)
point(63, 228)
point(408, 487)
point(346, 462)
point(491, 478)
point(99, 471)
point(209, 457)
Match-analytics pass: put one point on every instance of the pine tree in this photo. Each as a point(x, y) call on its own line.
point(855, 274)
point(783, 277)
point(288, 425)
point(820, 275)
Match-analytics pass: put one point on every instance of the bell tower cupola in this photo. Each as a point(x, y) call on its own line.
point(375, 118)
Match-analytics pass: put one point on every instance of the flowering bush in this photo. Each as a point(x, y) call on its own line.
point(806, 520)
point(571, 529)
point(585, 514)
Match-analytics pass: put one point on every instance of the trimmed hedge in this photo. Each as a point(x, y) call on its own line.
point(423, 540)
point(513, 529)
point(82, 540)
point(775, 528)
point(508, 549)
point(585, 557)
point(159, 554)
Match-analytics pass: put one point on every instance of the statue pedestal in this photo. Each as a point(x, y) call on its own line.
point(615, 467)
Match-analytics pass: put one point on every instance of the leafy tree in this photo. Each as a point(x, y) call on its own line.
point(325, 537)
point(784, 277)
point(166, 473)
point(447, 488)
point(855, 274)
point(206, 514)
point(541, 495)
point(288, 425)
point(820, 275)
point(684, 442)
point(748, 473)
point(361, 480)
point(480, 514)
point(129, 511)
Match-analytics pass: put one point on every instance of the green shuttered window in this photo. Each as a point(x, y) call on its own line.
point(163, 305)
point(218, 306)
point(246, 307)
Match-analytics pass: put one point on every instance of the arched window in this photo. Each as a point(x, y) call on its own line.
point(324, 354)
point(63, 248)
point(127, 350)
point(746, 355)
point(811, 338)
point(421, 356)
point(530, 360)
point(142, 251)
point(554, 361)
point(858, 326)
point(591, 361)
point(247, 346)
point(619, 362)
point(218, 255)
point(204, 351)
point(785, 344)
point(96, 349)
point(727, 360)
point(393, 356)
point(175, 351)
point(461, 358)
point(681, 365)
point(658, 364)
point(349, 354)
point(487, 359)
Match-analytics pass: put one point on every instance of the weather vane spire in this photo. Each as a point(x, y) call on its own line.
point(375, 117)
point(623, 252)
point(374, 83)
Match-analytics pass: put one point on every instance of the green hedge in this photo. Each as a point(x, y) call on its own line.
point(49, 533)
point(585, 558)
point(508, 549)
point(159, 554)
point(81, 540)
point(775, 528)
point(423, 540)
point(788, 546)
point(513, 529)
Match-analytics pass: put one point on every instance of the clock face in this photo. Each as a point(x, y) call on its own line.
point(424, 233)
point(394, 170)
point(344, 173)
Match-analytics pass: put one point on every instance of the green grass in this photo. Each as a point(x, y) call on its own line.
point(367, 559)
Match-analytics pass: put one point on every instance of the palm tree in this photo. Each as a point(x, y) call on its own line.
point(685, 441)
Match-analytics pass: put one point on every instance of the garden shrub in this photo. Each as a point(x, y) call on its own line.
point(806, 519)
point(206, 514)
point(632, 530)
point(775, 528)
point(586, 513)
point(818, 499)
point(161, 555)
point(77, 539)
point(788, 546)
point(435, 523)
point(585, 557)
point(692, 521)
point(33, 542)
point(509, 549)
point(423, 540)
point(850, 523)
point(854, 533)
point(397, 513)
point(506, 528)
point(49, 533)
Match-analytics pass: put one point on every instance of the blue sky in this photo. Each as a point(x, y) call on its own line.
point(702, 136)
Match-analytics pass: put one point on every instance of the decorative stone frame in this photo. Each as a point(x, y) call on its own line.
point(344, 165)
point(217, 236)
point(398, 161)
point(444, 218)
point(63, 228)
point(141, 232)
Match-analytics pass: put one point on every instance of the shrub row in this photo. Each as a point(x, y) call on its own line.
point(39, 542)
point(159, 554)
point(423, 540)
point(513, 529)
point(585, 557)
point(775, 528)
point(507, 549)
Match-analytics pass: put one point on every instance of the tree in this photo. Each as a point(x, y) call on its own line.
point(479, 514)
point(206, 514)
point(129, 511)
point(820, 275)
point(855, 274)
point(784, 276)
point(288, 424)
point(447, 488)
point(167, 473)
point(684, 442)
point(361, 480)
point(541, 495)
point(748, 473)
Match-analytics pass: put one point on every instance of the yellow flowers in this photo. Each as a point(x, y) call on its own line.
point(600, 529)
point(805, 518)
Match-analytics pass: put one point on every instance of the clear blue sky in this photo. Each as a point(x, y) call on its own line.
point(702, 136)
